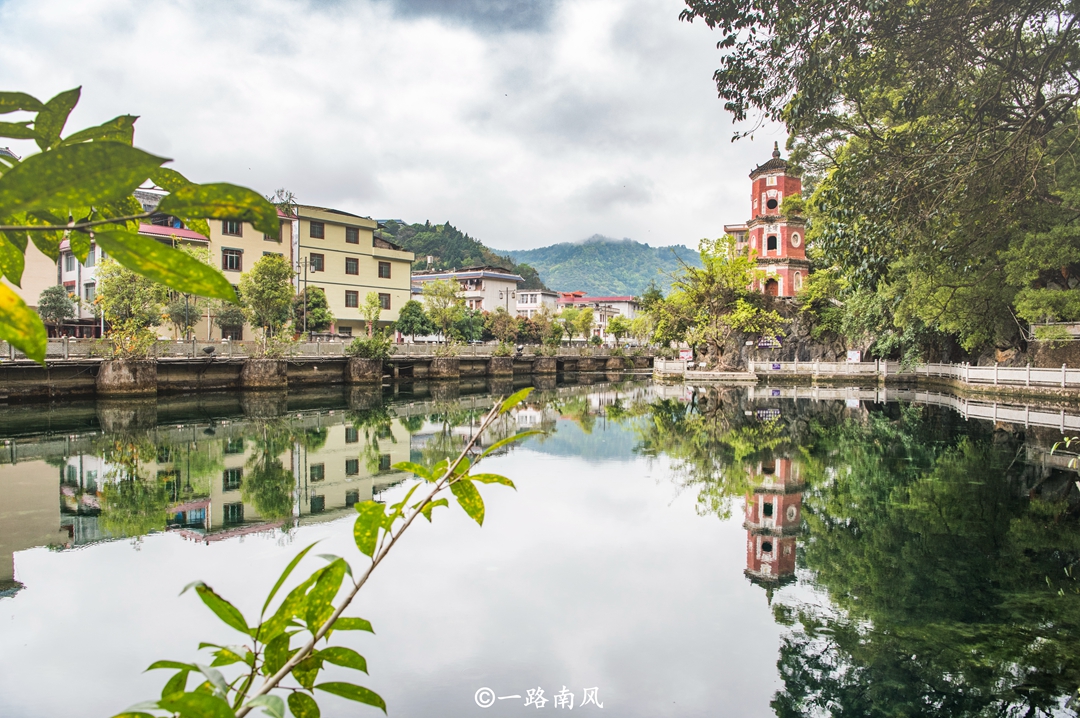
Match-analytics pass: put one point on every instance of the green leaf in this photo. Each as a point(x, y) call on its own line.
point(80, 175)
point(303, 706)
point(341, 656)
point(426, 511)
point(21, 326)
point(118, 129)
point(469, 499)
point(175, 665)
point(277, 653)
point(222, 201)
point(353, 624)
point(15, 101)
point(492, 479)
point(216, 679)
point(222, 608)
point(50, 120)
point(227, 657)
point(421, 471)
point(320, 601)
point(80, 245)
point(169, 179)
point(508, 440)
point(307, 671)
point(166, 265)
point(134, 714)
point(514, 399)
point(176, 684)
point(273, 705)
point(368, 523)
point(284, 575)
point(354, 693)
point(198, 705)
point(17, 130)
point(12, 259)
point(293, 605)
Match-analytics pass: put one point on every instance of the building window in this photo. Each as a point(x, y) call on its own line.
point(272, 254)
point(317, 230)
point(797, 281)
point(351, 435)
point(384, 301)
point(233, 513)
point(232, 228)
point(231, 479)
point(274, 237)
point(232, 260)
point(345, 331)
point(771, 246)
point(352, 299)
point(234, 445)
point(90, 257)
point(318, 504)
point(233, 334)
point(352, 235)
point(384, 270)
point(317, 472)
point(69, 262)
point(318, 263)
point(352, 467)
point(772, 203)
point(352, 265)
point(89, 291)
point(384, 462)
point(352, 498)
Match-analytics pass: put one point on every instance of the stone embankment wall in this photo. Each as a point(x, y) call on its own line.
point(25, 380)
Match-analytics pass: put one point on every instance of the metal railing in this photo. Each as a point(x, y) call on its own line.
point(995, 375)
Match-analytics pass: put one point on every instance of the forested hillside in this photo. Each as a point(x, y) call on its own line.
point(603, 266)
point(450, 248)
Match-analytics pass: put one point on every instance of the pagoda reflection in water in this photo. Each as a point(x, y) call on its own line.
point(773, 522)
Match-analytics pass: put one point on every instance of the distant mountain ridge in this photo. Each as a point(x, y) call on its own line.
point(602, 266)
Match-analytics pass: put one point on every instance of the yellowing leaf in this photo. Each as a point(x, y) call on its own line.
point(469, 499)
point(21, 326)
point(222, 201)
point(164, 264)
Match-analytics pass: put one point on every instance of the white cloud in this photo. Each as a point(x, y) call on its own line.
point(521, 126)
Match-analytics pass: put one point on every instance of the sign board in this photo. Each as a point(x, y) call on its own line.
point(686, 354)
point(776, 367)
point(854, 356)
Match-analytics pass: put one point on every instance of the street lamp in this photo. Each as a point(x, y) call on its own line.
point(510, 294)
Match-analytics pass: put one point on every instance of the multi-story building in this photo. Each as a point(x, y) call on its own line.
point(531, 302)
point(341, 253)
point(483, 288)
point(604, 308)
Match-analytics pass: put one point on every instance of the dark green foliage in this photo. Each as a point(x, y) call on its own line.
point(319, 317)
point(55, 305)
point(412, 320)
point(606, 267)
point(469, 326)
point(450, 248)
point(377, 346)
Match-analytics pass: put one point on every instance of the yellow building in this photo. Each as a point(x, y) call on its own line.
point(328, 248)
point(340, 253)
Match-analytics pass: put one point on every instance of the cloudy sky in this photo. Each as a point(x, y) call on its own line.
point(523, 123)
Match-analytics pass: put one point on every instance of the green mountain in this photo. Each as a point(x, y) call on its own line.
point(450, 248)
point(602, 266)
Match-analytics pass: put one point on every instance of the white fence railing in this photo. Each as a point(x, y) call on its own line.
point(72, 348)
point(992, 375)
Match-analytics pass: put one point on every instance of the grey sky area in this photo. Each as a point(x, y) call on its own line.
point(523, 123)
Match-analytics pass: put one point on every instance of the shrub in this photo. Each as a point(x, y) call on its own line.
point(377, 346)
point(505, 349)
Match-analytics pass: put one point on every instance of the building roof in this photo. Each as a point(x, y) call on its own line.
point(774, 165)
point(330, 210)
point(594, 300)
point(468, 273)
point(159, 232)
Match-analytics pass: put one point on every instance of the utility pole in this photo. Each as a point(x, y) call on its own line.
point(305, 263)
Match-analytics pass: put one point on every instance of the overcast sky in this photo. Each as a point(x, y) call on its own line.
point(522, 123)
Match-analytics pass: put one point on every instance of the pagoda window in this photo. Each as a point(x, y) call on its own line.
point(772, 203)
point(767, 509)
point(771, 243)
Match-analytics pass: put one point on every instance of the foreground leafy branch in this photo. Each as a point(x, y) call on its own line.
point(268, 657)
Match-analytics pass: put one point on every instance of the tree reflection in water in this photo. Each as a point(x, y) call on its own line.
point(948, 561)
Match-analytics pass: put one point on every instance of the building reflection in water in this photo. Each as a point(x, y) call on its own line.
point(773, 522)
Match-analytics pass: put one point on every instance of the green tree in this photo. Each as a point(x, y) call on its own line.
point(131, 305)
point(469, 326)
point(229, 316)
point(619, 327)
point(319, 316)
point(100, 171)
point(371, 310)
point(183, 313)
point(503, 325)
point(584, 323)
point(444, 305)
point(567, 321)
point(55, 305)
point(268, 294)
point(709, 305)
point(412, 320)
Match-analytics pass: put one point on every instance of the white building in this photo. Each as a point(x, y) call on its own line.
point(531, 302)
point(604, 308)
point(483, 288)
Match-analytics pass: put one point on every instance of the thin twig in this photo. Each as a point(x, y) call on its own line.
point(74, 225)
point(304, 652)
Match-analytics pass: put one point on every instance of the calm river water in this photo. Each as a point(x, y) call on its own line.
point(680, 552)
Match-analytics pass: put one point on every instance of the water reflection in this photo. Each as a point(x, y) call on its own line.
point(915, 563)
